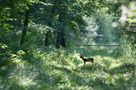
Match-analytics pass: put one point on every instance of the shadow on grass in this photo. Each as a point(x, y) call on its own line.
point(125, 68)
point(78, 80)
point(125, 76)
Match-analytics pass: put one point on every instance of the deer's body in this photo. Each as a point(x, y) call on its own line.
point(87, 59)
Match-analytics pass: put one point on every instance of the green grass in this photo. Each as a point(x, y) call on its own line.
point(54, 69)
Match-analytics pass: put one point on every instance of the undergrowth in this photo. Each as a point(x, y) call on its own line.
point(63, 69)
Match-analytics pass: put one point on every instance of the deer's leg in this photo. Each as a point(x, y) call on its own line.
point(84, 62)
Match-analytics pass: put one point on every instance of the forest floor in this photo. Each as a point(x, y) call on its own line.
point(53, 69)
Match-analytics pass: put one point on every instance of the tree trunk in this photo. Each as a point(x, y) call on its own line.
point(48, 34)
point(46, 40)
point(60, 42)
point(25, 27)
point(49, 22)
point(60, 39)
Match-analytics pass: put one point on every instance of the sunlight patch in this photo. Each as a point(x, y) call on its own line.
point(24, 81)
point(114, 65)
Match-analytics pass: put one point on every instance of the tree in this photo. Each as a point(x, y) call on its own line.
point(25, 26)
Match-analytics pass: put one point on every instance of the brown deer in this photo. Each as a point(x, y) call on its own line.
point(87, 59)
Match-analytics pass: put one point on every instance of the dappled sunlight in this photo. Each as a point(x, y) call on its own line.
point(67, 45)
point(113, 65)
point(68, 72)
point(26, 82)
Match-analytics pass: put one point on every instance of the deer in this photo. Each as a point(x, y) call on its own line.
point(87, 59)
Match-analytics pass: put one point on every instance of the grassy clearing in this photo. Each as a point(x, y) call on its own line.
point(52, 69)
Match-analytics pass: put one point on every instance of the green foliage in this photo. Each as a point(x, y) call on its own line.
point(4, 53)
point(32, 66)
point(63, 69)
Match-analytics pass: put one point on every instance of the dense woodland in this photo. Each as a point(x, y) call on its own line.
point(67, 45)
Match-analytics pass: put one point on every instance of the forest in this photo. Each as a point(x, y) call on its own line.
point(67, 45)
